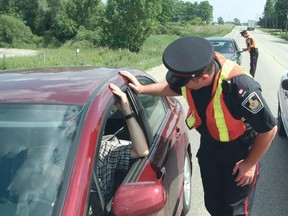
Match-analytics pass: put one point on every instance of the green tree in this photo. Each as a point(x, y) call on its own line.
point(14, 33)
point(47, 18)
point(205, 11)
point(7, 6)
point(34, 13)
point(128, 22)
point(281, 6)
point(270, 15)
point(237, 21)
point(190, 11)
point(179, 11)
point(59, 24)
point(167, 11)
point(220, 21)
point(87, 13)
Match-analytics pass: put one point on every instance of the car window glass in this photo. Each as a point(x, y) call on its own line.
point(221, 46)
point(154, 108)
point(35, 141)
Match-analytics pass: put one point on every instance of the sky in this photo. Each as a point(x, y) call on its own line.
point(244, 10)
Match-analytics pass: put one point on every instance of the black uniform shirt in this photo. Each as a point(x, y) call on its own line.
point(245, 100)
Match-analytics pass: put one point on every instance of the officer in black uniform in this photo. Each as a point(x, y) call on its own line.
point(229, 170)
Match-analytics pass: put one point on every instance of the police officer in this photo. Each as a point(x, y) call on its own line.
point(228, 110)
point(252, 49)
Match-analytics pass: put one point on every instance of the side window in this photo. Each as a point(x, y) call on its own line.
point(122, 143)
point(111, 164)
point(155, 108)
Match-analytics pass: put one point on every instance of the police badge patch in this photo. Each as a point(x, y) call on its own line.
point(253, 103)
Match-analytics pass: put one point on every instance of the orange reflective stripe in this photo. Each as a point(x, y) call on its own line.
point(190, 119)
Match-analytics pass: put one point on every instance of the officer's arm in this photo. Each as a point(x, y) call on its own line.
point(247, 167)
point(249, 44)
point(261, 144)
point(158, 89)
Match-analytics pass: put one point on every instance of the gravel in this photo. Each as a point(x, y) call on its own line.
point(16, 52)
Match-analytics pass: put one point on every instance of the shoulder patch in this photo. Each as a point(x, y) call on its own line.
point(253, 103)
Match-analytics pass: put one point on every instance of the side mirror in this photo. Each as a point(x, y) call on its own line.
point(139, 198)
point(284, 84)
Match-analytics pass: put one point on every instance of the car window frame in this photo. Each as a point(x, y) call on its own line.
point(106, 207)
point(154, 141)
point(139, 163)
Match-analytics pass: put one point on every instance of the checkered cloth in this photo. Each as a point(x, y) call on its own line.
point(114, 155)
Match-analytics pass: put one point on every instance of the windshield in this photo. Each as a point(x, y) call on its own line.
point(35, 141)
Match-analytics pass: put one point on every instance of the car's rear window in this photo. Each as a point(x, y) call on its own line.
point(223, 46)
point(35, 141)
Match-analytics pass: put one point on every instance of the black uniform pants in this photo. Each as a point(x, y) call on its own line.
point(222, 196)
point(253, 61)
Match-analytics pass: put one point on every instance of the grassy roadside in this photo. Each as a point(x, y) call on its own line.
point(276, 32)
point(149, 56)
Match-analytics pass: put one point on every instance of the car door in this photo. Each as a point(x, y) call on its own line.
point(113, 123)
point(163, 165)
point(168, 148)
point(283, 103)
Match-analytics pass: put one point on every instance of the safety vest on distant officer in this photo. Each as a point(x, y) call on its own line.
point(251, 40)
point(220, 122)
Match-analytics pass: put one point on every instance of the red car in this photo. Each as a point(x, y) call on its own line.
point(51, 124)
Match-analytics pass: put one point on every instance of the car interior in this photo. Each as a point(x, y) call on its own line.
point(155, 109)
point(115, 126)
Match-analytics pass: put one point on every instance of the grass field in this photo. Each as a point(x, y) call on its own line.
point(149, 56)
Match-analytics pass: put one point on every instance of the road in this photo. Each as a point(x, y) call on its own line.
point(272, 192)
point(272, 189)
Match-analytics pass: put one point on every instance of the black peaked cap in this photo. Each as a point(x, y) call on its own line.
point(188, 55)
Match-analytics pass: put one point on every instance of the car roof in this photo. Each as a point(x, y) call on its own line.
point(68, 85)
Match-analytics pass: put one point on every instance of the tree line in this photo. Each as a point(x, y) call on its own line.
point(116, 24)
point(275, 14)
